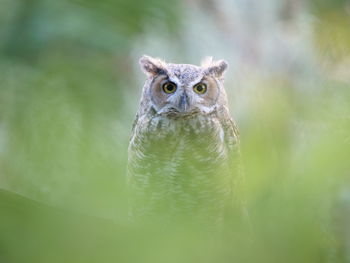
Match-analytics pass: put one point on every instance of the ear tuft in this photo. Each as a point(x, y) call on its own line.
point(216, 68)
point(152, 66)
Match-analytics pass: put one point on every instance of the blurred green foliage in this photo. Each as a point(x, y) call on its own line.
point(68, 96)
point(62, 96)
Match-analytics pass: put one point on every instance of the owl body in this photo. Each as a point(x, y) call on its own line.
point(184, 144)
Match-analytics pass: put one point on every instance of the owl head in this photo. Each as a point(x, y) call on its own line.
point(183, 89)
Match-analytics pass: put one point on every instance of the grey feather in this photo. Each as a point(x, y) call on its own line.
point(182, 160)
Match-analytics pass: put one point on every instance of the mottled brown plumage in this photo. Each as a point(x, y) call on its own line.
point(184, 146)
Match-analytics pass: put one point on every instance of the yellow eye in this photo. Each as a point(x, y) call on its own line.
point(169, 87)
point(200, 88)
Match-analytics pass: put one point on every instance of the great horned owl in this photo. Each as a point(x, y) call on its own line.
point(184, 145)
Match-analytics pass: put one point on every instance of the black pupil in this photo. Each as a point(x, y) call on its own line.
point(200, 88)
point(169, 87)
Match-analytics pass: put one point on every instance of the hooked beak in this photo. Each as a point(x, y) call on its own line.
point(183, 103)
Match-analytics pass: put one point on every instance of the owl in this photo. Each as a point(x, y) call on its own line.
point(184, 147)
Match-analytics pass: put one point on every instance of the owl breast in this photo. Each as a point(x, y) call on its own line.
point(178, 167)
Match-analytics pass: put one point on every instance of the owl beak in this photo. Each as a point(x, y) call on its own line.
point(183, 103)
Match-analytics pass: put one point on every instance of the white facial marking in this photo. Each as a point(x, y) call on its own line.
point(176, 81)
point(197, 80)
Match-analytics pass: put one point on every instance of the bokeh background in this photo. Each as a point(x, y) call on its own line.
point(70, 84)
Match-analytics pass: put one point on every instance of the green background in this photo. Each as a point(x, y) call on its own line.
point(69, 89)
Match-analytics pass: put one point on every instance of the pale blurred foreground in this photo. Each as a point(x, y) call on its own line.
point(70, 86)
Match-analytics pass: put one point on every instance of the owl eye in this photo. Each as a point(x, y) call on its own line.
point(200, 88)
point(169, 87)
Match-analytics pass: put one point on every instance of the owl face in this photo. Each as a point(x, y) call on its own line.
point(181, 89)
